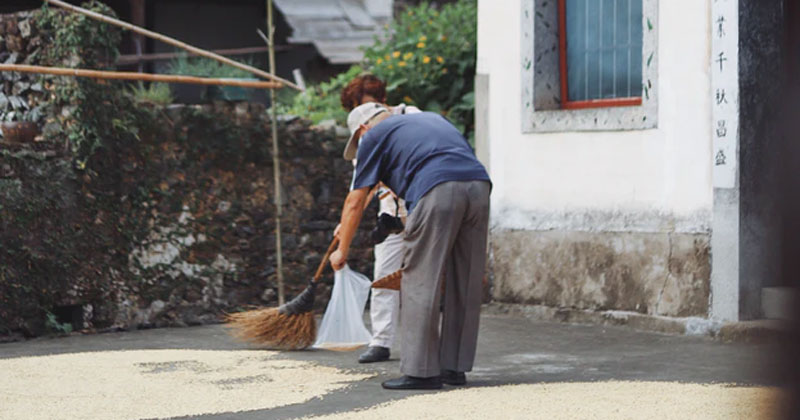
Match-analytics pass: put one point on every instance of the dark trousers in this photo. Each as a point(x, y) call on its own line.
point(446, 234)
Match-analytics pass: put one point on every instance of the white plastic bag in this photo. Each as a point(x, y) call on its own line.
point(342, 326)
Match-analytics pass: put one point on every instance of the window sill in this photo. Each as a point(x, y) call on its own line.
point(602, 103)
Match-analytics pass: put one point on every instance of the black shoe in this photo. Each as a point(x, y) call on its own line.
point(374, 354)
point(452, 377)
point(412, 382)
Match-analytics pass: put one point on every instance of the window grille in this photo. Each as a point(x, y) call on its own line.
point(601, 52)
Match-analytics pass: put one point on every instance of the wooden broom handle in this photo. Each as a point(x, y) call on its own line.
point(321, 267)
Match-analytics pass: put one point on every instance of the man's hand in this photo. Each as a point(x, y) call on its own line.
point(338, 260)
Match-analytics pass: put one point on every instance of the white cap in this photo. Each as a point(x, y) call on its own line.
point(358, 116)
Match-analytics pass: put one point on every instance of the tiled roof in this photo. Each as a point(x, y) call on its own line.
point(337, 28)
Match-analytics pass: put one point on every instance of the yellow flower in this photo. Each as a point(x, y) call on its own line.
point(421, 45)
point(407, 56)
point(401, 64)
point(444, 71)
point(439, 59)
point(379, 61)
point(443, 38)
point(426, 59)
point(423, 38)
point(408, 99)
point(410, 13)
point(396, 54)
point(388, 57)
point(390, 67)
point(430, 22)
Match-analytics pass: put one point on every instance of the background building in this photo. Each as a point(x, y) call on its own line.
point(320, 37)
point(638, 154)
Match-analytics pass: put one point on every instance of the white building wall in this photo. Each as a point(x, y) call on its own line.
point(601, 219)
point(631, 176)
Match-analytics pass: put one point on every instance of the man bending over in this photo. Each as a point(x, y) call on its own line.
point(426, 161)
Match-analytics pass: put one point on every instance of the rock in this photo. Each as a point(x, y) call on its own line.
point(223, 206)
point(317, 225)
point(24, 28)
point(326, 125)
point(269, 296)
point(289, 241)
point(312, 260)
point(15, 44)
point(11, 27)
point(20, 87)
point(11, 58)
point(341, 132)
point(287, 118)
point(33, 44)
point(156, 308)
point(241, 109)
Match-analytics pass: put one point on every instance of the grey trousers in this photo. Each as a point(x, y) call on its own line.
point(446, 234)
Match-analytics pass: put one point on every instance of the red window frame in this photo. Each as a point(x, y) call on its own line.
point(562, 53)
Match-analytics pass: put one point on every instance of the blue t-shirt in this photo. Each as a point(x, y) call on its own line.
point(413, 153)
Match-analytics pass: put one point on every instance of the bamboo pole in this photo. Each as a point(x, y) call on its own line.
point(276, 169)
point(122, 75)
point(172, 41)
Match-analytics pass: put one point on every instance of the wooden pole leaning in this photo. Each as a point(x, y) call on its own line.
point(276, 161)
point(173, 42)
point(122, 75)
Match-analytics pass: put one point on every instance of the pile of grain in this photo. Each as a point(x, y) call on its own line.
point(595, 400)
point(158, 384)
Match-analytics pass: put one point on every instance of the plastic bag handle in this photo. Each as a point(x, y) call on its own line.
point(324, 261)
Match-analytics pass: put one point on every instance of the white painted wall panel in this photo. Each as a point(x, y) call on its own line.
point(662, 173)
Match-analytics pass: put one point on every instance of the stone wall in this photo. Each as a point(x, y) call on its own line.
point(651, 273)
point(169, 220)
point(174, 230)
point(20, 43)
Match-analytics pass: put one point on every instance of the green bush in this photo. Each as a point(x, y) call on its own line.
point(155, 93)
point(321, 102)
point(206, 67)
point(427, 58)
point(89, 113)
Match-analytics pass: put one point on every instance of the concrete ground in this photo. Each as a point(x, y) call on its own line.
point(512, 350)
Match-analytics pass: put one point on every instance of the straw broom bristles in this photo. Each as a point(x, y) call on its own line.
point(289, 327)
point(269, 327)
point(390, 282)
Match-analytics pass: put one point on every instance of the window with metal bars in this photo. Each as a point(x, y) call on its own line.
point(600, 43)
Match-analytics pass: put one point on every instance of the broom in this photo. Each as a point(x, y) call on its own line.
point(290, 326)
point(390, 282)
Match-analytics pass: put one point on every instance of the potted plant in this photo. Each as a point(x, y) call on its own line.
point(235, 93)
point(19, 124)
point(189, 93)
point(203, 67)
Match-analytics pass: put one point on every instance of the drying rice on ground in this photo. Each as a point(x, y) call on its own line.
point(158, 384)
point(595, 400)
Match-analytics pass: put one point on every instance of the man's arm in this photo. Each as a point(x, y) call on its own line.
point(352, 211)
point(370, 195)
